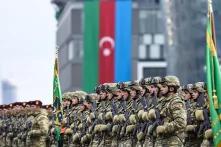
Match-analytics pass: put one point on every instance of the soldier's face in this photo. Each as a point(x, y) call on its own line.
point(97, 97)
point(132, 93)
point(74, 101)
point(82, 107)
point(109, 96)
point(64, 103)
point(118, 94)
point(187, 95)
point(151, 89)
point(103, 95)
point(125, 95)
point(68, 103)
point(164, 89)
point(143, 91)
point(195, 94)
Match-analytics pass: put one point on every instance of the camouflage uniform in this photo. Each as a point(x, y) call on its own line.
point(173, 116)
point(66, 131)
point(200, 115)
point(2, 117)
point(74, 133)
point(28, 124)
point(143, 140)
point(10, 123)
point(40, 127)
point(134, 106)
point(100, 112)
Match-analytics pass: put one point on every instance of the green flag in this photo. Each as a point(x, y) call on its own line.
point(57, 99)
point(213, 79)
point(91, 35)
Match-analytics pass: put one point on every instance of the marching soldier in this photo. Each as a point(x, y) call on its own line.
point(10, 121)
point(101, 110)
point(40, 126)
point(142, 137)
point(21, 126)
point(172, 123)
point(124, 113)
point(201, 113)
point(75, 119)
point(2, 117)
point(88, 109)
point(66, 131)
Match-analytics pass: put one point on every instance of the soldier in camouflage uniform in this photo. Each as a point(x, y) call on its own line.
point(2, 115)
point(118, 114)
point(170, 129)
point(21, 126)
point(107, 115)
point(190, 131)
point(142, 138)
point(66, 131)
point(88, 107)
point(10, 121)
point(124, 112)
point(49, 140)
point(133, 106)
point(100, 111)
point(40, 126)
point(153, 96)
point(76, 98)
point(104, 122)
point(201, 112)
point(16, 123)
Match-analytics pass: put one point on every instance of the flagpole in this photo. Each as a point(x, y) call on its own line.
point(212, 22)
point(210, 11)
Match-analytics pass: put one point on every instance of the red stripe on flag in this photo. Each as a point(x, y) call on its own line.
point(106, 41)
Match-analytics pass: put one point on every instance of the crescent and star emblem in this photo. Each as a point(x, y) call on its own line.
point(110, 40)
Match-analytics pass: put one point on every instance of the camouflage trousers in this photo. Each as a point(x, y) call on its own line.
point(96, 141)
point(38, 141)
point(2, 142)
point(106, 142)
point(139, 144)
point(28, 140)
point(148, 142)
point(15, 142)
point(172, 141)
point(21, 143)
point(193, 142)
point(207, 143)
point(114, 142)
point(8, 142)
point(128, 142)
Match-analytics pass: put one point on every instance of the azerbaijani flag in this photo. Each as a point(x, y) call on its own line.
point(213, 78)
point(107, 42)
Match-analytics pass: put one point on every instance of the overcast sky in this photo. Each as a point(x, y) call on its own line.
point(27, 42)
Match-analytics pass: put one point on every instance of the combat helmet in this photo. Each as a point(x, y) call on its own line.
point(156, 80)
point(66, 96)
point(171, 81)
point(77, 94)
point(88, 98)
point(187, 87)
point(124, 86)
point(98, 89)
point(135, 85)
point(111, 87)
point(200, 86)
point(146, 81)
